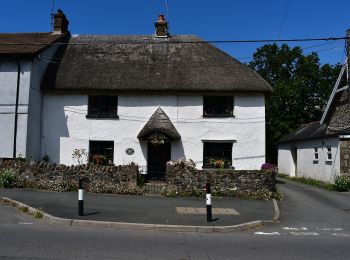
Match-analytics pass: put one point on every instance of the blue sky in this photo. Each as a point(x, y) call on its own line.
point(209, 19)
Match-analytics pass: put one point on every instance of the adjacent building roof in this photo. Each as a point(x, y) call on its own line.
point(312, 130)
point(182, 63)
point(159, 123)
point(339, 115)
point(26, 44)
point(336, 117)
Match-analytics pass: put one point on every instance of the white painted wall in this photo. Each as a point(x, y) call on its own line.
point(66, 128)
point(307, 167)
point(39, 67)
point(8, 84)
point(286, 163)
point(29, 109)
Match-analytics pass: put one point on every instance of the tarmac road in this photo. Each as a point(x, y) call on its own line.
point(314, 225)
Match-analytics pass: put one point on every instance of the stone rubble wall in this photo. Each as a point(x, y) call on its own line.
point(184, 181)
point(102, 179)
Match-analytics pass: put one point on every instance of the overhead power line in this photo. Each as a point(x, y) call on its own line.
point(180, 42)
point(306, 48)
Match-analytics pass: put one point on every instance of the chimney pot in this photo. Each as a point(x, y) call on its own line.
point(161, 17)
point(161, 27)
point(60, 23)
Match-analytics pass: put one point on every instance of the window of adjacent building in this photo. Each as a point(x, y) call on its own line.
point(316, 154)
point(101, 152)
point(217, 106)
point(103, 107)
point(329, 153)
point(217, 155)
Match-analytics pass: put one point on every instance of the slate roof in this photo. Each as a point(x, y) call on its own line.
point(309, 131)
point(26, 44)
point(339, 114)
point(182, 63)
point(159, 122)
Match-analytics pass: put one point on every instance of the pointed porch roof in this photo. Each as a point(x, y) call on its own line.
point(159, 122)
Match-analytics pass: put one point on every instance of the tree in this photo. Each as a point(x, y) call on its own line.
point(301, 89)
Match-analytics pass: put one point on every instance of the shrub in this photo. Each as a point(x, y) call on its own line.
point(39, 213)
point(342, 183)
point(268, 166)
point(80, 156)
point(182, 163)
point(24, 209)
point(7, 178)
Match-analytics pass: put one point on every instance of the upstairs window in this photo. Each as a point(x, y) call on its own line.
point(217, 106)
point(101, 152)
point(103, 107)
point(315, 154)
point(217, 155)
point(329, 154)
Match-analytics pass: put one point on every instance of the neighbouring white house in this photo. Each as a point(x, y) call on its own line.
point(150, 99)
point(22, 67)
point(321, 150)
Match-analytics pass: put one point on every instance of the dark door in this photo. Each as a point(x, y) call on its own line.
point(157, 157)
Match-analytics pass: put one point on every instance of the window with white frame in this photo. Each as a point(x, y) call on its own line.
point(329, 154)
point(315, 154)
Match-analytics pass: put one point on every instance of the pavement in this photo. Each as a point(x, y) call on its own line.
point(145, 212)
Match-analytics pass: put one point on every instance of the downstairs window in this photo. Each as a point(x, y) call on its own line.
point(101, 152)
point(217, 155)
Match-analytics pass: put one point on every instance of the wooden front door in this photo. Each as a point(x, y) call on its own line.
point(157, 157)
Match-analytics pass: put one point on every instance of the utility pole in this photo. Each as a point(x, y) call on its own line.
point(348, 54)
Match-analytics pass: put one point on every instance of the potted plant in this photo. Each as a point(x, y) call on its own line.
point(99, 159)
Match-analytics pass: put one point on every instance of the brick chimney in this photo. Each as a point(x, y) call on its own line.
point(60, 23)
point(161, 27)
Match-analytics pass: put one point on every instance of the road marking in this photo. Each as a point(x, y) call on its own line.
point(340, 235)
point(267, 234)
point(203, 211)
point(304, 233)
point(25, 223)
point(295, 229)
point(330, 229)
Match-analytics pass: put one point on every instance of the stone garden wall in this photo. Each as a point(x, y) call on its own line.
point(46, 176)
point(184, 181)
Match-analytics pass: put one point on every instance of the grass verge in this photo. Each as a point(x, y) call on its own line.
point(309, 181)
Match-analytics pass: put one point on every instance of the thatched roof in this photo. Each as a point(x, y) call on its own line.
point(26, 44)
point(182, 63)
point(159, 123)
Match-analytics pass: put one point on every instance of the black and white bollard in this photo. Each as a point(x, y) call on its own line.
point(208, 201)
point(81, 197)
